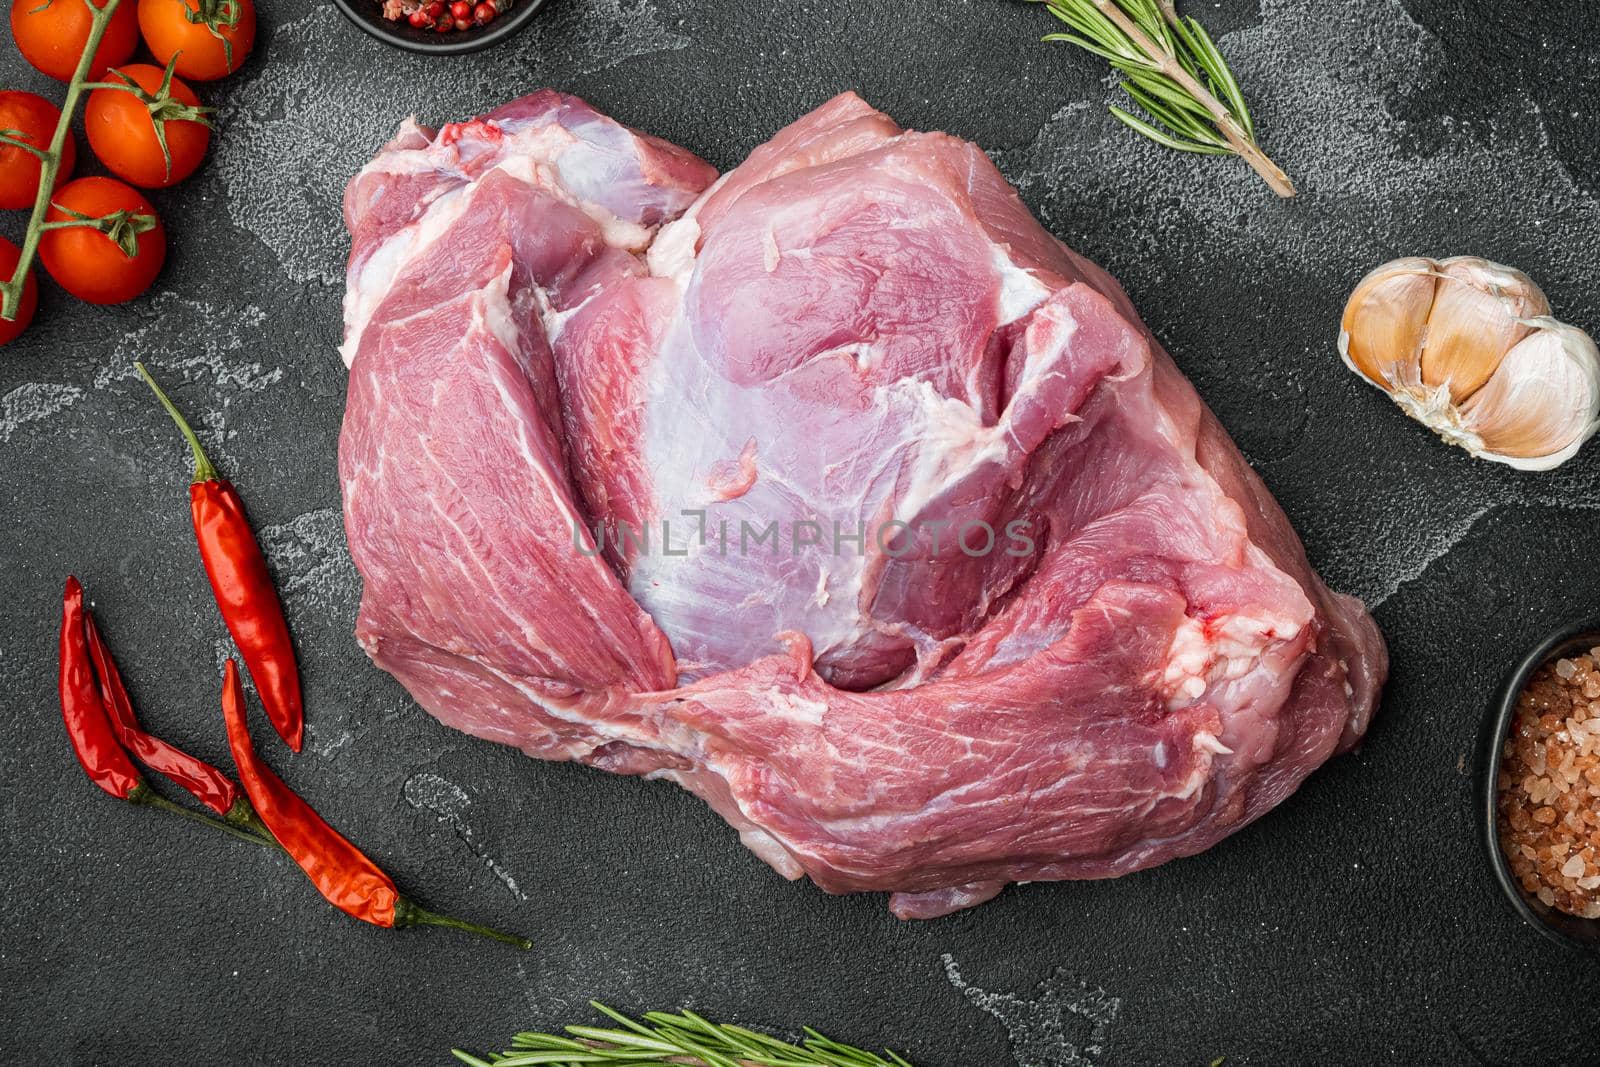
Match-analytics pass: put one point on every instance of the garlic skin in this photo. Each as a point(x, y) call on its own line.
point(1468, 348)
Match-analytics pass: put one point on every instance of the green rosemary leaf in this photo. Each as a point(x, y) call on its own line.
point(1184, 124)
point(1087, 46)
point(1087, 19)
point(620, 1019)
point(1161, 87)
point(619, 1037)
point(1147, 16)
point(547, 1041)
point(1161, 137)
point(1179, 126)
point(1217, 72)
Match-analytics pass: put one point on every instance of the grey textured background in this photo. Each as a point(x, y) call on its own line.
point(1354, 924)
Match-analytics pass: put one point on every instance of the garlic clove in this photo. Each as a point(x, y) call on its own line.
point(1479, 312)
point(1467, 348)
point(1386, 320)
point(1541, 403)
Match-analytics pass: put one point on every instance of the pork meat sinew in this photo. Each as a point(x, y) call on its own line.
point(689, 477)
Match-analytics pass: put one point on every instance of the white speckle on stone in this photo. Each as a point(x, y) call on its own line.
point(34, 402)
point(1065, 1024)
point(185, 339)
point(312, 562)
point(429, 792)
point(329, 747)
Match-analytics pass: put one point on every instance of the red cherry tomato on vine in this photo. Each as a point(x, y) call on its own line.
point(9, 255)
point(34, 119)
point(51, 35)
point(211, 38)
point(122, 131)
point(88, 263)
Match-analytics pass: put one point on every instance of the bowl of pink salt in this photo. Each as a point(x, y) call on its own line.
point(1539, 788)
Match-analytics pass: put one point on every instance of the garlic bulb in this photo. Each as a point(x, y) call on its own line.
point(1468, 348)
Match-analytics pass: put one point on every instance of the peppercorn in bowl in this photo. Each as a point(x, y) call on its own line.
point(440, 27)
point(1539, 788)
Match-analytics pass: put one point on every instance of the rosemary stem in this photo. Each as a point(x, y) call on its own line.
point(1237, 139)
point(50, 161)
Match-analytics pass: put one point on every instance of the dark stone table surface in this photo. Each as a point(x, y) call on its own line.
point(1355, 924)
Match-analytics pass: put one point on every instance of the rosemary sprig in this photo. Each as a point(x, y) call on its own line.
point(662, 1039)
point(1174, 72)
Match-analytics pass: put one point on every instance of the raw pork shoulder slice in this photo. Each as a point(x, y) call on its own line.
point(690, 477)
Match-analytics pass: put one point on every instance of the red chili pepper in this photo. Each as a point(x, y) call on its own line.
point(341, 872)
point(208, 785)
point(107, 765)
point(242, 585)
point(94, 738)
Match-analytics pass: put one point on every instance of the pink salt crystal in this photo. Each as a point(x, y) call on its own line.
point(1549, 782)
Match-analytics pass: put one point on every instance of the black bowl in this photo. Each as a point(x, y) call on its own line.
point(1569, 930)
point(368, 15)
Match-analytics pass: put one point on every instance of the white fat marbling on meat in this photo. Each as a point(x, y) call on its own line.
point(1207, 652)
point(671, 255)
point(1020, 291)
point(375, 276)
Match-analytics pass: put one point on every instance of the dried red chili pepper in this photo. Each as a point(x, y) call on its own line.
point(104, 761)
point(341, 872)
point(242, 585)
point(83, 708)
point(206, 783)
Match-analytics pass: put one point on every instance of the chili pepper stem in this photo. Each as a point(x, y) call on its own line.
point(243, 815)
point(50, 162)
point(145, 796)
point(203, 469)
point(408, 912)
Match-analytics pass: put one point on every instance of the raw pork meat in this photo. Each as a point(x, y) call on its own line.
point(834, 489)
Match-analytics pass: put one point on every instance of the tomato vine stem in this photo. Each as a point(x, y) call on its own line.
point(50, 160)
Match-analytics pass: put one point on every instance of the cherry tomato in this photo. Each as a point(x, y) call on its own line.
point(211, 38)
point(461, 9)
point(33, 118)
point(9, 255)
point(123, 134)
point(484, 13)
point(51, 35)
point(88, 263)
